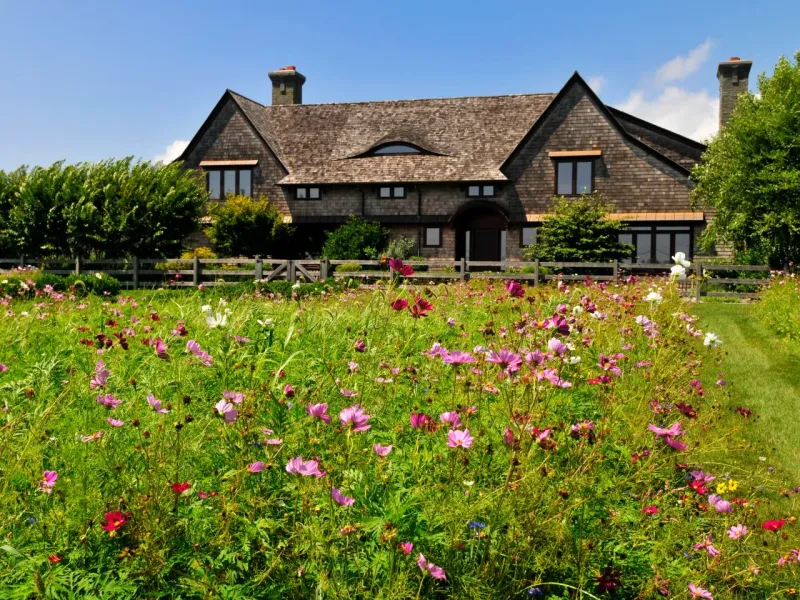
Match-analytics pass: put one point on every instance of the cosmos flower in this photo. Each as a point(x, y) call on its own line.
point(155, 403)
point(673, 430)
point(319, 411)
point(114, 520)
point(711, 340)
point(452, 418)
point(194, 348)
point(698, 592)
point(100, 377)
point(719, 504)
point(226, 411)
point(399, 304)
point(396, 265)
point(680, 259)
point(109, 401)
point(457, 438)
point(557, 347)
point(306, 468)
point(405, 547)
point(458, 358)
point(161, 349)
point(115, 422)
point(354, 417)
point(340, 498)
point(256, 467)
point(382, 450)
point(48, 481)
point(708, 545)
point(650, 510)
point(737, 531)
point(180, 488)
point(514, 289)
point(360, 346)
point(508, 361)
point(775, 525)
point(654, 297)
point(92, 437)
point(432, 569)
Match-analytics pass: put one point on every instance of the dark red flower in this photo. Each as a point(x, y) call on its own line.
point(686, 409)
point(399, 304)
point(608, 581)
point(115, 519)
point(179, 488)
point(54, 559)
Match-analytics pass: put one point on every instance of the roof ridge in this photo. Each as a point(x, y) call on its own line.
point(442, 98)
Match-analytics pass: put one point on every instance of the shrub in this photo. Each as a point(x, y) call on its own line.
point(779, 307)
point(357, 239)
point(578, 230)
point(418, 268)
point(199, 252)
point(27, 283)
point(243, 226)
point(99, 284)
point(349, 268)
point(400, 247)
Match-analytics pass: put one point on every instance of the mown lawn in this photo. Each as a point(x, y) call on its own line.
point(763, 374)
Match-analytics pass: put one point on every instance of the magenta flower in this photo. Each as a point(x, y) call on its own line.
point(709, 546)
point(155, 403)
point(352, 366)
point(608, 363)
point(405, 547)
point(100, 376)
point(348, 393)
point(698, 592)
point(256, 467)
point(432, 569)
point(306, 468)
point(457, 358)
point(355, 417)
point(514, 289)
point(737, 531)
point(582, 429)
point(452, 418)
point(288, 391)
point(3, 368)
point(92, 437)
point(557, 347)
point(457, 438)
point(420, 420)
point(340, 498)
point(235, 397)
point(673, 430)
point(48, 481)
point(382, 450)
point(109, 401)
point(508, 361)
point(675, 444)
point(115, 422)
point(720, 504)
point(319, 411)
point(161, 349)
point(194, 348)
point(226, 411)
point(361, 346)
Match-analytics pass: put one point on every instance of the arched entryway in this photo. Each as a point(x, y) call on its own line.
point(480, 231)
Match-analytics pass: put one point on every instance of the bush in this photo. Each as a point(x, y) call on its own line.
point(349, 268)
point(779, 307)
point(401, 247)
point(26, 284)
point(418, 268)
point(356, 240)
point(109, 209)
point(243, 226)
point(578, 230)
point(99, 284)
point(199, 252)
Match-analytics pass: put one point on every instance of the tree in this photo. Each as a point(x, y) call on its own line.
point(578, 230)
point(357, 239)
point(246, 227)
point(750, 174)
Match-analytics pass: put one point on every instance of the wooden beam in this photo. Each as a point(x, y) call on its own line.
point(573, 153)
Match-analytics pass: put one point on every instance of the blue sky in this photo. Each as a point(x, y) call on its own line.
point(91, 80)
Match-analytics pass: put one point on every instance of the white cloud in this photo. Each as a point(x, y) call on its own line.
point(171, 152)
point(681, 67)
point(693, 114)
point(596, 82)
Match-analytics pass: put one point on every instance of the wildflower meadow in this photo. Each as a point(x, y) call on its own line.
point(470, 440)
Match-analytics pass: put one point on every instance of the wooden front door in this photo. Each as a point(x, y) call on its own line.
point(485, 244)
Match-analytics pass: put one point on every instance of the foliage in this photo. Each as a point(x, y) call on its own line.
point(418, 268)
point(779, 306)
point(284, 289)
point(556, 488)
point(577, 230)
point(400, 247)
point(750, 174)
point(112, 208)
point(358, 239)
point(199, 252)
point(30, 283)
point(243, 226)
point(349, 268)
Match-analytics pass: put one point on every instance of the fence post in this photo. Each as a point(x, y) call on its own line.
point(196, 271)
point(259, 268)
point(463, 269)
point(22, 261)
point(536, 273)
point(77, 265)
point(292, 274)
point(699, 280)
point(616, 270)
point(136, 272)
point(323, 269)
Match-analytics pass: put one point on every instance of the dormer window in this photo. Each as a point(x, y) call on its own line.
point(395, 149)
point(481, 191)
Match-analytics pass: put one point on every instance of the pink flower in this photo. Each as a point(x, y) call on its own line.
point(737, 531)
point(457, 358)
point(382, 450)
point(306, 468)
point(319, 411)
point(235, 397)
point(288, 391)
point(514, 289)
point(396, 265)
point(719, 504)
point(3, 368)
point(361, 346)
point(226, 411)
point(155, 403)
point(673, 430)
point(109, 401)
point(675, 444)
point(457, 438)
point(115, 422)
point(405, 547)
point(355, 417)
point(92, 437)
point(256, 467)
point(420, 421)
point(194, 348)
point(698, 592)
point(452, 418)
point(509, 361)
point(348, 393)
point(340, 498)
point(100, 376)
point(161, 349)
point(48, 481)
point(582, 429)
point(557, 347)
point(650, 510)
point(708, 545)
point(432, 569)
point(609, 364)
point(352, 366)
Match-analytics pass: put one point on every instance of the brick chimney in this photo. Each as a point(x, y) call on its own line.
point(287, 86)
point(733, 75)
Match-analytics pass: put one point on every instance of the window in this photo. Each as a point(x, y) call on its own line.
point(574, 177)
point(528, 237)
point(658, 243)
point(223, 181)
point(433, 237)
point(396, 148)
point(307, 193)
point(398, 191)
point(480, 191)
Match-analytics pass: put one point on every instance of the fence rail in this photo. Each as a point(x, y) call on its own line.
point(135, 273)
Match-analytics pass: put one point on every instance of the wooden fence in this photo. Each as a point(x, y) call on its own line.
point(137, 273)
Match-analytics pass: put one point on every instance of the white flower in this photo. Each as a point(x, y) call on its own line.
point(680, 259)
point(206, 308)
point(219, 320)
point(296, 286)
point(577, 310)
point(98, 275)
point(654, 297)
point(711, 340)
point(678, 272)
point(265, 322)
point(574, 360)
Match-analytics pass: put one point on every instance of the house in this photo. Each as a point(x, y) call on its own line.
point(462, 177)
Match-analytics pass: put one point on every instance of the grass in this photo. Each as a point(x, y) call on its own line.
point(763, 375)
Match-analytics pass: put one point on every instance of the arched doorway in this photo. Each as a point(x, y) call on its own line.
point(480, 231)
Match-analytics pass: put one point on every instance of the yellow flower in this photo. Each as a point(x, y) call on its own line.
point(732, 485)
point(721, 488)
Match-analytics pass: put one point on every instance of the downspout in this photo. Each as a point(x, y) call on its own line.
point(363, 202)
point(421, 231)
